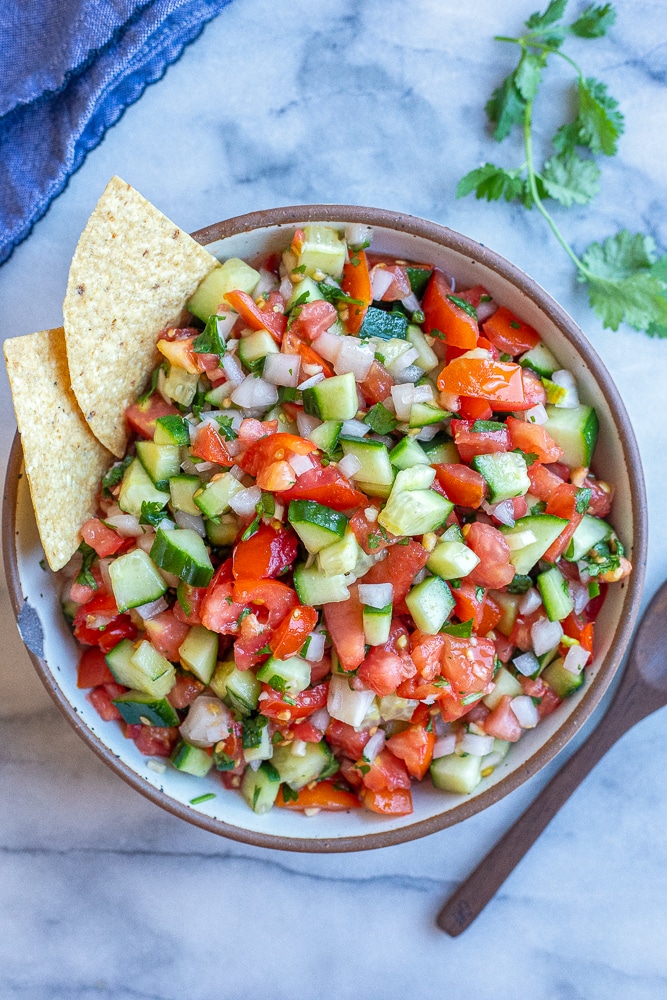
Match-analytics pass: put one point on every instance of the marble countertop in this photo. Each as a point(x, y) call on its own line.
point(104, 895)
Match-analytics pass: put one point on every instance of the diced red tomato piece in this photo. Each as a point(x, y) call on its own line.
point(494, 568)
point(563, 503)
point(314, 319)
point(461, 484)
point(357, 284)
point(157, 741)
point(104, 540)
point(232, 747)
point(101, 700)
point(470, 443)
point(467, 667)
point(142, 416)
point(93, 669)
point(460, 329)
point(180, 353)
point(491, 615)
point(469, 602)
point(344, 621)
point(307, 731)
point(543, 482)
point(427, 652)
point(271, 599)
point(248, 647)
point(376, 387)
point(257, 317)
point(499, 382)
point(81, 593)
point(502, 722)
point(471, 408)
point(219, 612)
point(184, 691)
point(382, 671)
point(546, 697)
point(346, 739)
point(266, 553)
point(210, 447)
point(509, 334)
point(400, 284)
point(533, 393)
point(327, 486)
point(400, 567)
point(396, 803)
point(601, 498)
point(305, 703)
point(274, 448)
point(324, 795)
point(364, 530)
point(386, 773)
point(293, 344)
point(187, 609)
point(414, 746)
point(292, 632)
point(533, 438)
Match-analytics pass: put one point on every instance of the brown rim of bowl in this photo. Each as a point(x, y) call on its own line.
point(476, 252)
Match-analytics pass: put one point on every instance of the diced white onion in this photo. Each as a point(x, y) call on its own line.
point(255, 392)
point(525, 710)
point(267, 283)
point(381, 279)
point(313, 380)
point(579, 594)
point(315, 650)
point(403, 361)
point(429, 432)
point(530, 601)
point(444, 745)
point(485, 310)
point(423, 394)
point(309, 369)
point(410, 374)
point(299, 748)
point(349, 465)
point(255, 764)
point(106, 576)
point(328, 345)
point(320, 719)
point(476, 745)
point(504, 512)
point(356, 234)
point(403, 397)
point(194, 521)
point(157, 765)
point(125, 524)
point(411, 302)
point(207, 721)
point(347, 705)
point(371, 514)
point(245, 501)
point(233, 369)
point(300, 464)
point(282, 369)
point(354, 357)
point(354, 428)
point(226, 320)
point(147, 611)
point(204, 466)
point(576, 659)
point(376, 595)
point(545, 635)
point(374, 746)
point(279, 511)
point(306, 424)
point(421, 575)
point(566, 379)
point(527, 664)
point(237, 472)
point(286, 288)
point(536, 414)
point(520, 540)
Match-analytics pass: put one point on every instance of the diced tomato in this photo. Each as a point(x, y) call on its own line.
point(414, 746)
point(229, 753)
point(543, 482)
point(521, 633)
point(533, 392)
point(357, 284)
point(533, 438)
point(486, 442)
point(293, 344)
point(563, 503)
point(364, 530)
point(519, 507)
point(305, 703)
point(184, 691)
point(187, 609)
point(382, 671)
point(327, 486)
point(344, 621)
point(400, 567)
point(460, 329)
point(509, 334)
point(142, 416)
point(324, 795)
point(474, 409)
point(491, 615)
point(121, 628)
point(467, 667)
point(274, 448)
point(601, 498)
point(266, 553)
point(101, 698)
point(219, 612)
point(396, 803)
point(494, 568)
point(81, 593)
point(93, 669)
point(577, 627)
point(468, 602)
point(386, 773)
point(307, 731)
point(271, 599)
point(499, 382)
point(181, 354)
point(248, 647)
point(502, 722)
point(376, 387)
point(400, 284)
point(427, 652)
point(314, 319)
point(538, 689)
point(98, 623)
point(210, 447)
point(346, 739)
point(452, 707)
point(461, 484)
point(157, 741)
point(292, 632)
point(104, 540)
point(504, 648)
point(256, 317)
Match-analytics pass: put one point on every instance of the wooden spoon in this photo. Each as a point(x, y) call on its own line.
point(643, 689)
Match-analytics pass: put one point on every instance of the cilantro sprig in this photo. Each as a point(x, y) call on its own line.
point(626, 278)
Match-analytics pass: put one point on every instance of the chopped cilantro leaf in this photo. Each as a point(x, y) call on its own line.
point(467, 307)
point(152, 513)
point(84, 576)
point(380, 419)
point(209, 341)
point(114, 475)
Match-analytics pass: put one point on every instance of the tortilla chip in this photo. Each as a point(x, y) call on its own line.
point(132, 273)
point(64, 461)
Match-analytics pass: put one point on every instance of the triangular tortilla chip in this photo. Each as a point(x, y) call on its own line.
point(132, 273)
point(64, 461)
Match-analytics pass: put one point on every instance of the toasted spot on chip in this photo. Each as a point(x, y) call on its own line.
point(131, 275)
point(63, 459)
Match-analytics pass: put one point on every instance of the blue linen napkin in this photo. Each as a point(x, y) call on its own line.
point(68, 70)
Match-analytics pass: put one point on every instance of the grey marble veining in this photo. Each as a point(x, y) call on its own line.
point(104, 895)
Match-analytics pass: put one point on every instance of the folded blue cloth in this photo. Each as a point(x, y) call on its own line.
point(68, 70)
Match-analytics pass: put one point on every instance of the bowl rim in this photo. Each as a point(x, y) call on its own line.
point(477, 252)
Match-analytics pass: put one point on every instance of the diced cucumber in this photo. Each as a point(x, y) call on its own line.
point(452, 534)
point(383, 324)
point(135, 580)
point(137, 708)
point(563, 681)
point(218, 395)
point(430, 604)
point(316, 525)
point(441, 451)
point(374, 457)
point(322, 250)
point(374, 489)
point(279, 413)
point(260, 788)
point(181, 386)
point(505, 683)
point(509, 610)
point(333, 398)
point(575, 430)
point(407, 453)
point(290, 676)
point(181, 551)
point(589, 532)
point(183, 489)
point(417, 477)
point(540, 360)
point(304, 287)
point(171, 429)
point(257, 739)
point(191, 760)
point(414, 512)
point(137, 487)
point(199, 652)
point(256, 346)
point(239, 689)
point(505, 473)
point(377, 624)
point(314, 588)
point(556, 596)
point(233, 275)
point(545, 527)
point(161, 461)
point(389, 351)
point(455, 773)
point(212, 500)
point(156, 677)
point(326, 435)
point(452, 560)
point(340, 557)
point(224, 532)
point(297, 772)
point(426, 357)
point(425, 414)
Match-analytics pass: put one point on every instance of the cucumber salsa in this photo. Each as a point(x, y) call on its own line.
point(355, 541)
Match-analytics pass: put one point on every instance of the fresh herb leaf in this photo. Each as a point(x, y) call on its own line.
point(528, 75)
point(600, 122)
point(114, 475)
point(380, 419)
point(84, 576)
point(209, 341)
point(492, 183)
point(334, 294)
point(467, 307)
point(289, 795)
point(571, 180)
point(301, 301)
point(463, 630)
point(520, 584)
point(469, 699)
point(202, 798)
point(253, 729)
point(622, 285)
point(582, 501)
point(505, 108)
point(226, 429)
point(244, 614)
point(152, 513)
point(250, 530)
point(270, 770)
point(594, 22)
point(152, 387)
point(538, 22)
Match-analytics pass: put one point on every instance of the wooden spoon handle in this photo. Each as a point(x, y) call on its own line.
point(472, 896)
